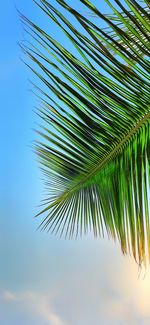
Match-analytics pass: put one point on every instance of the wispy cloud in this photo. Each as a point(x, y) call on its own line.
point(8, 296)
point(37, 303)
point(109, 296)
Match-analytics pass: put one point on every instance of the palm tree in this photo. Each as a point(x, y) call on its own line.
point(95, 139)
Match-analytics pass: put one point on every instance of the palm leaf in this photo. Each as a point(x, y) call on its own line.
point(95, 152)
point(126, 24)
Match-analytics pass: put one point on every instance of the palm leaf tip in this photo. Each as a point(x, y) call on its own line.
point(95, 141)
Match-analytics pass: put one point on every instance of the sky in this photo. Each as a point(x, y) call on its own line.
point(45, 280)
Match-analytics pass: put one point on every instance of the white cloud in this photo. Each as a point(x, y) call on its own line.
point(106, 295)
point(35, 303)
point(8, 296)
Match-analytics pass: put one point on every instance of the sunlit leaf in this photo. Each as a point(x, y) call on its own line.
point(95, 138)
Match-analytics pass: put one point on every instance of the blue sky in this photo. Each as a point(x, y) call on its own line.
point(43, 279)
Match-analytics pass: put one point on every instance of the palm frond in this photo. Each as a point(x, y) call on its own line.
point(95, 150)
point(128, 25)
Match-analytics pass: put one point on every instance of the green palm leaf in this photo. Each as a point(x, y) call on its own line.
point(95, 152)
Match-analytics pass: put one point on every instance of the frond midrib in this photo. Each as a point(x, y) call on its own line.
point(108, 157)
point(119, 145)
